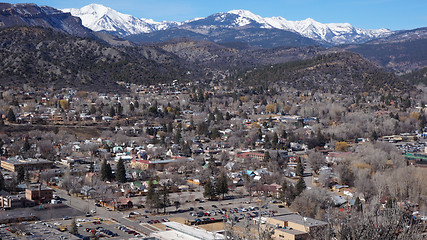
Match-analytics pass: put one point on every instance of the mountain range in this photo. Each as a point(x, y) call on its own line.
point(43, 46)
point(100, 18)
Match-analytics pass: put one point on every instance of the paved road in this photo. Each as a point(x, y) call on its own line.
point(87, 205)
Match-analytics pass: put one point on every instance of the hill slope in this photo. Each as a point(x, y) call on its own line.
point(402, 52)
point(44, 57)
point(338, 72)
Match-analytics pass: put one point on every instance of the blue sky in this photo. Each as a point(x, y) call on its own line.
point(369, 14)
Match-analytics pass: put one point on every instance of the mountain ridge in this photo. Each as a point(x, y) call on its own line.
point(100, 18)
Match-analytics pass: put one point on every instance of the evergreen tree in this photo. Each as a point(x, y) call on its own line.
point(27, 177)
point(112, 112)
point(222, 184)
point(20, 176)
point(121, 171)
point(109, 171)
point(177, 137)
point(151, 197)
point(11, 116)
point(227, 116)
point(131, 107)
point(92, 110)
point(275, 140)
point(165, 198)
point(267, 143)
point(26, 146)
point(267, 157)
point(119, 109)
point(357, 204)
point(2, 185)
point(284, 134)
point(284, 191)
point(169, 127)
point(209, 190)
point(91, 167)
point(300, 169)
point(73, 229)
point(299, 188)
point(104, 172)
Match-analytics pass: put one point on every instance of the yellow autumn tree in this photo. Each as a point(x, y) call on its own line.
point(341, 146)
point(64, 104)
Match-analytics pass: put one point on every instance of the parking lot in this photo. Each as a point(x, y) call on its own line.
point(210, 212)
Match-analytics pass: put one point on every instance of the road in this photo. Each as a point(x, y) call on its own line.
point(87, 205)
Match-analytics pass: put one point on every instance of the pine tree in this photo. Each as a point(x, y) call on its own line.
point(109, 171)
point(27, 177)
point(165, 198)
point(20, 177)
point(92, 110)
point(151, 197)
point(11, 116)
point(222, 184)
point(112, 112)
point(267, 157)
point(284, 191)
point(119, 109)
point(300, 169)
point(209, 190)
point(121, 171)
point(2, 185)
point(104, 173)
point(73, 229)
point(131, 107)
point(299, 188)
point(357, 204)
point(275, 140)
point(26, 146)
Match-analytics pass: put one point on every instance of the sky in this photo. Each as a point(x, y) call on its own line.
point(367, 14)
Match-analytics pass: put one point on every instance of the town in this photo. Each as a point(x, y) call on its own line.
point(202, 160)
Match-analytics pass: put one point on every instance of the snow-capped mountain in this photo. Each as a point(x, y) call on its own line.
point(100, 18)
point(334, 33)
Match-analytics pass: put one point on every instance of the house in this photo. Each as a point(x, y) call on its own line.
point(137, 186)
point(334, 157)
point(86, 190)
point(253, 155)
point(123, 203)
point(147, 183)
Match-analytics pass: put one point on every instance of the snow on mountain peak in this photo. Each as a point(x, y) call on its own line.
point(100, 18)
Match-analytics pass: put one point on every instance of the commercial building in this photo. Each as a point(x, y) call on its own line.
point(294, 227)
point(30, 164)
point(176, 230)
point(39, 194)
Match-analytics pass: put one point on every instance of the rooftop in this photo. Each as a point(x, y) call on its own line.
point(16, 160)
point(192, 232)
point(298, 219)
